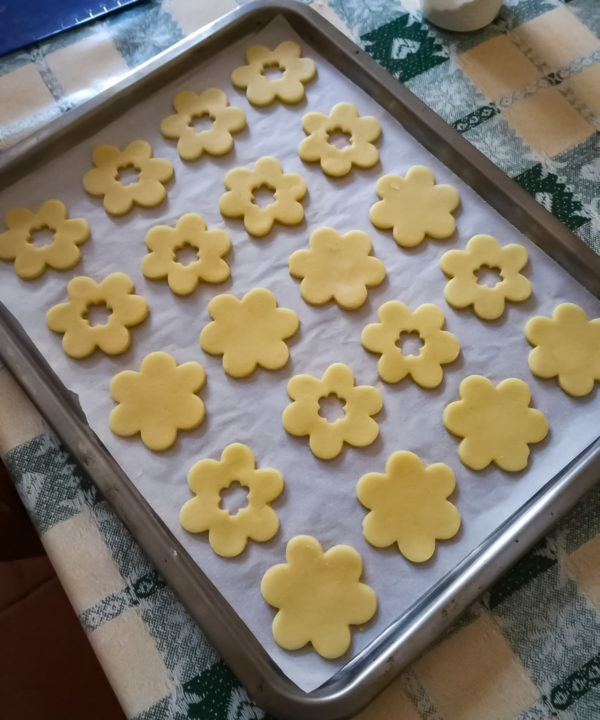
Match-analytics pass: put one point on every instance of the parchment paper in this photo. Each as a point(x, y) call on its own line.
point(319, 497)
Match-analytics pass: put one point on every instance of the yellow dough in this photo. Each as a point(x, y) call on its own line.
point(567, 347)
point(163, 242)
point(147, 191)
point(212, 104)
point(158, 400)
point(249, 332)
point(238, 201)
point(326, 439)
point(16, 243)
point(496, 423)
point(344, 118)
point(260, 90)
point(318, 596)
point(414, 206)
point(228, 533)
point(71, 318)
point(439, 346)
point(338, 267)
point(408, 506)
point(480, 252)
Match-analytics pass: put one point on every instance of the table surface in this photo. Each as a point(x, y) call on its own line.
point(525, 91)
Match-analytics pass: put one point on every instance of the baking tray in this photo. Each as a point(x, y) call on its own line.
point(369, 670)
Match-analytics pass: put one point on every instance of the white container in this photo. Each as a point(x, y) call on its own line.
point(460, 15)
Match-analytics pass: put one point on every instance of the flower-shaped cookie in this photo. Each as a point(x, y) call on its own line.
point(567, 346)
point(408, 506)
point(484, 251)
point(228, 533)
point(413, 206)
point(115, 293)
point(190, 232)
point(289, 88)
point(338, 267)
point(242, 183)
point(385, 337)
point(211, 104)
point(158, 400)
point(147, 191)
point(344, 118)
point(326, 439)
point(249, 332)
point(17, 242)
point(318, 596)
point(496, 423)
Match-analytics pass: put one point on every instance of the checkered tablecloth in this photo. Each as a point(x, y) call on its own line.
point(525, 91)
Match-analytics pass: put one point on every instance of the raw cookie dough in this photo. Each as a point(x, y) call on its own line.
point(242, 183)
point(439, 346)
point(326, 438)
point(344, 118)
point(17, 242)
point(318, 596)
point(190, 106)
point(496, 423)
point(158, 400)
point(338, 267)
point(484, 251)
point(164, 242)
point(228, 533)
point(413, 206)
point(147, 191)
point(567, 347)
point(249, 332)
point(289, 88)
point(115, 292)
point(408, 505)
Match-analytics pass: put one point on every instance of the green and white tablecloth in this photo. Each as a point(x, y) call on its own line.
point(526, 92)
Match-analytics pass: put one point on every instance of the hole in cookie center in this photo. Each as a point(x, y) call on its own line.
point(339, 139)
point(42, 237)
point(234, 498)
point(127, 175)
point(272, 71)
point(186, 254)
point(97, 314)
point(488, 275)
point(332, 408)
point(203, 122)
point(410, 343)
point(263, 196)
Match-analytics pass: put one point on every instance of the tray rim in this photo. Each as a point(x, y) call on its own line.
point(362, 677)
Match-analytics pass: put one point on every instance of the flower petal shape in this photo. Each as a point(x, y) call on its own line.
point(228, 533)
point(318, 596)
point(496, 423)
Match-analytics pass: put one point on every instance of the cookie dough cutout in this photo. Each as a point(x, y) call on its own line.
point(228, 533)
point(485, 252)
point(164, 243)
point(408, 506)
point(567, 346)
point(249, 332)
point(239, 201)
point(157, 401)
point(285, 58)
point(438, 348)
point(104, 179)
point(338, 161)
point(337, 267)
point(496, 423)
point(326, 439)
point(115, 295)
point(414, 206)
point(212, 105)
point(17, 243)
point(318, 596)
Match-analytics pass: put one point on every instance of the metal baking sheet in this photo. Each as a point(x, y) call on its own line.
point(357, 661)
